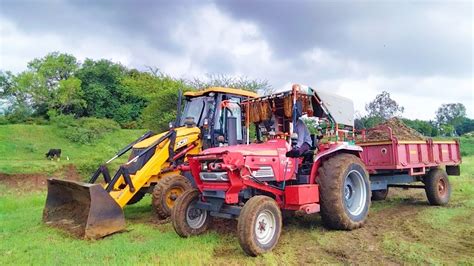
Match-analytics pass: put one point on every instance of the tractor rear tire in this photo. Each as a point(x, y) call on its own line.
point(186, 219)
point(379, 194)
point(437, 187)
point(166, 192)
point(259, 225)
point(344, 192)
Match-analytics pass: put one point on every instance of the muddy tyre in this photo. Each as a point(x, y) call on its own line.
point(188, 220)
point(379, 194)
point(344, 192)
point(166, 192)
point(437, 187)
point(259, 225)
point(137, 197)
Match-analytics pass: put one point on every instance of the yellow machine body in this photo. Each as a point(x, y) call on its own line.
point(151, 172)
point(92, 211)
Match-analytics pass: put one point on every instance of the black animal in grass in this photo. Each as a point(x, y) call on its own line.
point(53, 153)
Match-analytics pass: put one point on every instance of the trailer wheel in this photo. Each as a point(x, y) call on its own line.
point(259, 225)
point(344, 192)
point(379, 194)
point(437, 187)
point(166, 192)
point(188, 220)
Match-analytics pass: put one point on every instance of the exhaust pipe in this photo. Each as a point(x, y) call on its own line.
point(84, 210)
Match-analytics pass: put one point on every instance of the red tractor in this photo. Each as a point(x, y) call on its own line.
point(255, 182)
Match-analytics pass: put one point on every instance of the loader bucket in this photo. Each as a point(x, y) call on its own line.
point(82, 209)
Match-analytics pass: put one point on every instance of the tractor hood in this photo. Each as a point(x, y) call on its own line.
point(269, 148)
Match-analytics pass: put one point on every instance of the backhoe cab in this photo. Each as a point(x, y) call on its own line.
point(155, 165)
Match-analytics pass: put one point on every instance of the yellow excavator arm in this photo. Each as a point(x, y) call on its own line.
point(185, 137)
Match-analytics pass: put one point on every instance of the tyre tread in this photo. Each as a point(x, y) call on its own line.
point(331, 181)
point(159, 193)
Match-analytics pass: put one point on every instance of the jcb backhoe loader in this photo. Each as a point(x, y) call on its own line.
point(93, 210)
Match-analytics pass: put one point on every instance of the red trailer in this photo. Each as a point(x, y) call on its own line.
point(395, 163)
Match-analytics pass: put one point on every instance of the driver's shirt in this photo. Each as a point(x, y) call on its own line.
point(303, 133)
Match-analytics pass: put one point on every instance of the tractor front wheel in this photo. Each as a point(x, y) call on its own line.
point(259, 225)
point(344, 192)
point(188, 220)
point(437, 187)
point(166, 192)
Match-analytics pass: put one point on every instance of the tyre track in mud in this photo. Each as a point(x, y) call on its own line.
point(399, 218)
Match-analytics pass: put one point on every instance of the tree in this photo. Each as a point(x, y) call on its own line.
point(44, 76)
point(244, 83)
point(105, 94)
point(6, 83)
point(465, 126)
point(9, 92)
point(161, 94)
point(69, 99)
point(450, 114)
point(367, 122)
point(37, 87)
point(446, 130)
point(383, 107)
point(54, 67)
point(424, 127)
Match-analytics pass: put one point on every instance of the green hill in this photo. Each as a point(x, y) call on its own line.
point(23, 148)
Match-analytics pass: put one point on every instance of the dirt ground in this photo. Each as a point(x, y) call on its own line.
point(399, 130)
point(390, 224)
point(315, 245)
point(35, 182)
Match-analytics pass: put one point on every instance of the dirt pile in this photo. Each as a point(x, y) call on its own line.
point(71, 217)
point(399, 130)
point(37, 181)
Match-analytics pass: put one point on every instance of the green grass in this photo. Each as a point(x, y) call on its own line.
point(404, 229)
point(23, 148)
point(24, 239)
point(440, 234)
point(467, 146)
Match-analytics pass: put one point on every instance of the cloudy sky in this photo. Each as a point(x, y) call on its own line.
point(421, 51)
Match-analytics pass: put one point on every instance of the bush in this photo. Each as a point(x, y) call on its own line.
point(18, 115)
point(36, 121)
point(89, 129)
point(132, 124)
point(63, 121)
point(3, 120)
point(83, 130)
point(88, 167)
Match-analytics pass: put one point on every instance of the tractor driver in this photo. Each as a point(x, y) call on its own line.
point(304, 141)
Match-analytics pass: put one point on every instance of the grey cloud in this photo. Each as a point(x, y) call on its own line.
point(150, 21)
point(415, 38)
point(390, 40)
point(397, 38)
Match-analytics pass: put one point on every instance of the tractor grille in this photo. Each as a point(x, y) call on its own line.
point(213, 176)
point(264, 172)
